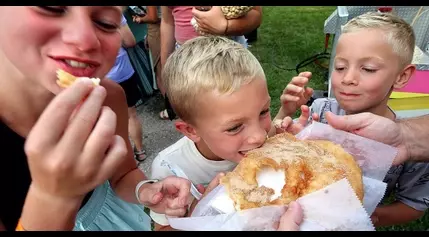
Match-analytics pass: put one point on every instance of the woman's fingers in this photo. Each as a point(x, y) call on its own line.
point(115, 156)
point(84, 120)
point(53, 121)
point(99, 140)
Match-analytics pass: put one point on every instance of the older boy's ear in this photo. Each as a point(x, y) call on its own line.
point(404, 77)
point(187, 130)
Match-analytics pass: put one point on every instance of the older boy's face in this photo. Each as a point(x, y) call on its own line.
point(365, 69)
point(230, 125)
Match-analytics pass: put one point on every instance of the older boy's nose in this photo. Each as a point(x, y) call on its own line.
point(350, 78)
point(81, 34)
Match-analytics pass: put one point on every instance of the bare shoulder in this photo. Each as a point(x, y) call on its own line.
point(115, 94)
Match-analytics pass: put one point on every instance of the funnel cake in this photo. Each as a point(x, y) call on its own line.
point(66, 79)
point(298, 167)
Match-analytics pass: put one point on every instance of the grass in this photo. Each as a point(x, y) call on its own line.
point(287, 36)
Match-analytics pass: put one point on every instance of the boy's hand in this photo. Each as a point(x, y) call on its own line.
point(288, 125)
point(168, 196)
point(213, 184)
point(296, 93)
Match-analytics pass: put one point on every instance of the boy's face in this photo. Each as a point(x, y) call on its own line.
point(365, 70)
point(228, 125)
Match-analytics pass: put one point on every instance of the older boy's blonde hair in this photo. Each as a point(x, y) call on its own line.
point(399, 33)
point(206, 64)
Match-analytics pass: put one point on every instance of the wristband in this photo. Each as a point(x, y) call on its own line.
point(140, 184)
point(19, 226)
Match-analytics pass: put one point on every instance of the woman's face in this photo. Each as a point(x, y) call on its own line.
point(36, 41)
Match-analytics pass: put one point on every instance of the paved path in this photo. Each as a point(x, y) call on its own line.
point(157, 133)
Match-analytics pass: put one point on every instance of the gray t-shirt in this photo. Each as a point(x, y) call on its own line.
point(409, 182)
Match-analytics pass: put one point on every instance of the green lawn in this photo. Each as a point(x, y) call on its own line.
point(287, 36)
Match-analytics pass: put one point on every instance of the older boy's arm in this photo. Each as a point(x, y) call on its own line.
point(395, 214)
point(167, 34)
point(415, 132)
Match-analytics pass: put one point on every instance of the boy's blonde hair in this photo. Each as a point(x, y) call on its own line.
point(399, 34)
point(206, 64)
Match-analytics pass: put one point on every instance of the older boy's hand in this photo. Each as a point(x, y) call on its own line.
point(296, 93)
point(288, 125)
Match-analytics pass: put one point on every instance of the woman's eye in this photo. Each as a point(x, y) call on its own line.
point(339, 68)
point(107, 26)
point(53, 9)
point(234, 129)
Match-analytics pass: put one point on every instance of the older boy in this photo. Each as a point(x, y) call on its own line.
point(373, 57)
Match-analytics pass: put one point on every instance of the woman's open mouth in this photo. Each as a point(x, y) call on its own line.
point(77, 67)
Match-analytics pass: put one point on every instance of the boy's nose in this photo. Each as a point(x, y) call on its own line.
point(258, 138)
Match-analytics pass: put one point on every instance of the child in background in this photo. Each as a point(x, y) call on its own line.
point(373, 57)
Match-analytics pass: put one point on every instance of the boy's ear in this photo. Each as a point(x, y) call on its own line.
point(404, 77)
point(187, 130)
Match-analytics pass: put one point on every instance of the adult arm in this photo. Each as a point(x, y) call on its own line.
point(167, 34)
point(128, 39)
point(214, 22)
point(151, 16)
point(415, 132)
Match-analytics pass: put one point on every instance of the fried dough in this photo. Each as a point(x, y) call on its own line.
point(308, 165)
point(66, 79)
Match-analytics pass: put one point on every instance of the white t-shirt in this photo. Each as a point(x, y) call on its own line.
point(185, 155)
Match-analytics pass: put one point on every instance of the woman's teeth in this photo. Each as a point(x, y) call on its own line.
point(76, 64)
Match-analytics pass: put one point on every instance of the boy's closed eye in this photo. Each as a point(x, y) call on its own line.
point(369, 70)
point(235, 128)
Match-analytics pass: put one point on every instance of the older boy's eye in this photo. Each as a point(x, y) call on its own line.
point(369, 70)
point(54, 9)
point(234, 129)
point(339, 68)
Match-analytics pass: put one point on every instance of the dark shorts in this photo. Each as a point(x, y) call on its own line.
point(131, 90)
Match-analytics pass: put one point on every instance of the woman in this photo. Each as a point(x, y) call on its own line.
point(80, 139)
point(152, 18)
point(176, 28)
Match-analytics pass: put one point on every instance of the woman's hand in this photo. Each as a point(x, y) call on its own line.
point(212, 21)
point(73, 148)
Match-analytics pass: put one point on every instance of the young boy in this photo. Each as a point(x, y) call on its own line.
point(373, 57)
point(218, 90)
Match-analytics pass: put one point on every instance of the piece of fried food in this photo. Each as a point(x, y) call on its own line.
point(66, 79)
point(286, 169)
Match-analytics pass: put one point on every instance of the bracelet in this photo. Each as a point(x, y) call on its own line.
point(19, 226)
point(226, 29)
point(140, 184)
